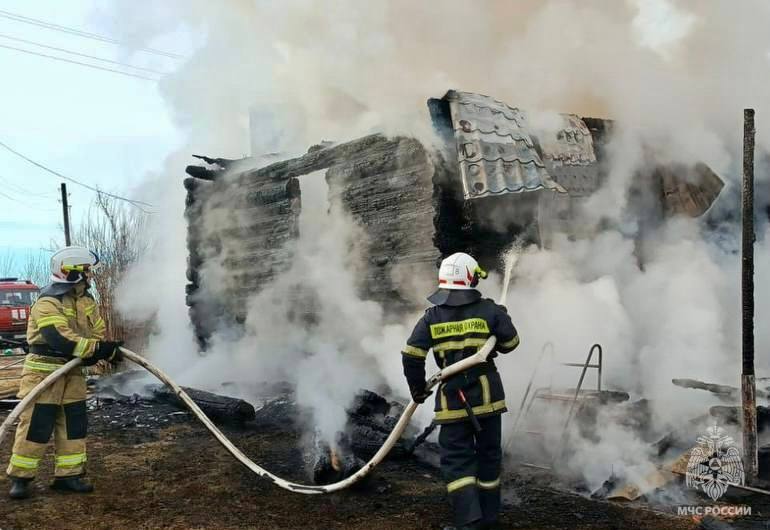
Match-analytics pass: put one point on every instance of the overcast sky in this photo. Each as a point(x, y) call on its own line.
point(102, 128)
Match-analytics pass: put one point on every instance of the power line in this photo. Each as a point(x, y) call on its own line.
point(81, 33)
point(81, 54)
point(27, 205)
point(136, 203)
point(19, 189)
point(55, 58)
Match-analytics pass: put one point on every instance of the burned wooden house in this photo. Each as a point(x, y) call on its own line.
point(491, 180)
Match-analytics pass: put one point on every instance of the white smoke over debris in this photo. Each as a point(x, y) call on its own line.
point(675, 75)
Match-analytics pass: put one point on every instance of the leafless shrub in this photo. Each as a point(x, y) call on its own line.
point(116, 233)
point(7, 264)
point(36, 268)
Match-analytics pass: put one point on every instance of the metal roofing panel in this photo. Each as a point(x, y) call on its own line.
point(571, 144)
point(495, 151)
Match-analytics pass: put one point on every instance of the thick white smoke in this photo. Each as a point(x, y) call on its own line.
point(674, 74)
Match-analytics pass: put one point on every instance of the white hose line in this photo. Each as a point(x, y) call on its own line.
point(32, 396)
point(403, 421)
point(398, 430)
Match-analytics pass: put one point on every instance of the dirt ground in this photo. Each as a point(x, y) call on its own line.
point(155, 468)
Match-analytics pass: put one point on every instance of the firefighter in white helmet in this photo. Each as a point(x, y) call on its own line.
point(64, 323)
point(468, 405)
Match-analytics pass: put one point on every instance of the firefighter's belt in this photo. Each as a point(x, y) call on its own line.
point(43, 349)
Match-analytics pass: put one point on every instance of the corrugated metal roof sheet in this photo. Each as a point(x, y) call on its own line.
point(569, 156)
point(495, 150)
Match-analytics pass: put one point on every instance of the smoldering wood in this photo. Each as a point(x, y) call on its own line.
point(224, 163)
point(219, 408)
point(202, 173)
point(371, 418)
point(724, 392)
point(734, 415)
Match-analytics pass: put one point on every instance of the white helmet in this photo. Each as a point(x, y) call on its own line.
point(459, 272)
point(69, 264)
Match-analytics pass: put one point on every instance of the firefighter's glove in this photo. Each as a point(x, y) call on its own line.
point(108, 350)
point(419, 396)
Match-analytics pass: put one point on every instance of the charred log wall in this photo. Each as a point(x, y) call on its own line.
point(388, 189)
point(239, 230)
point(241, 223)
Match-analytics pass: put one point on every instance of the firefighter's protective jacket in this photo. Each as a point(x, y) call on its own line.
point(61, 327)
point(454, 333)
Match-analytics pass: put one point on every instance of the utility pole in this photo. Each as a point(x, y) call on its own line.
point(66, 213)
point(748, 384)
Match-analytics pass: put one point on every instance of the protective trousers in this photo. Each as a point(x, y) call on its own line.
point(60, 410)
point(470, 462)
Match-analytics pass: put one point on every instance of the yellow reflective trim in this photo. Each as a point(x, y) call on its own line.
point(413, 351)
point(81, 350)
point(51, 321)
point(69, 312)
point(460, 483)
point(99, 322)
point(37, 366)
point(72, 460)
point(462, 327)
point(444, 404)
point(485, 389)
point(24, 462)
point(462, 413)
point(459, 344)
point(90, 310)
point(511, 343)
point(492, 484)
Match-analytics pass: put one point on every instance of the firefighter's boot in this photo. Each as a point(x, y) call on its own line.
point(19, 488)
point(72, 484)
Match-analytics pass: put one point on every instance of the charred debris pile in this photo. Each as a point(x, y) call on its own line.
point(370, 419)
point(493, 179)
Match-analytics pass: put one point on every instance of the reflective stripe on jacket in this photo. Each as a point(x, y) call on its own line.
point(75, 319)
point(454, 333)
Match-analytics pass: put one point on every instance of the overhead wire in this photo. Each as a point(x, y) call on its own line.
point(55, 58)
point(64, 50)
point(25, 204)
point(136, 203)
point(19, 189)
point(81, 33)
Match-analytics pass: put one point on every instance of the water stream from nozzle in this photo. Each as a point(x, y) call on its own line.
point(510, 258)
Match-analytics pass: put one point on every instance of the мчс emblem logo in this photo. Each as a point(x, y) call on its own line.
point(715, 463)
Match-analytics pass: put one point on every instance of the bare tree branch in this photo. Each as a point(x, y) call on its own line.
point(115, 234)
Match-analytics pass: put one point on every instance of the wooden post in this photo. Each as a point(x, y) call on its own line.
point(748, 384)
point(66, 213)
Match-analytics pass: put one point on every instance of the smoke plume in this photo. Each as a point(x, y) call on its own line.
point(675, 75)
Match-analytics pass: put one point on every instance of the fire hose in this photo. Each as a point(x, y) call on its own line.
point(406, 416)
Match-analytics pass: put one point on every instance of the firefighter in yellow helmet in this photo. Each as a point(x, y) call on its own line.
point(64, 323)
point(469, 404)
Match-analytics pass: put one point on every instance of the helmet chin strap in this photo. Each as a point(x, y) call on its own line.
point(81, 287)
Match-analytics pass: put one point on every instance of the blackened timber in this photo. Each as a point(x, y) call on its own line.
point(388, 189)
point(748, 384)
point(313, 161)
point(217, 407)
point(723, 391)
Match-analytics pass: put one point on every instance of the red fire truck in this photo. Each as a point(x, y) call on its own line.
point(16, 297)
